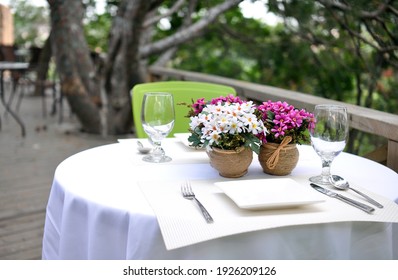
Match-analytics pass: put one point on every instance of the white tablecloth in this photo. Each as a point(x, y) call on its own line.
point(96, 210)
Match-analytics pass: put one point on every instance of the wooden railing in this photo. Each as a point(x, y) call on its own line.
point(362, 119)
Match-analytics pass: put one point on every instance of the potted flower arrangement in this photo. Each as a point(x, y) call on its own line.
point(287, 126)
point(229, 129)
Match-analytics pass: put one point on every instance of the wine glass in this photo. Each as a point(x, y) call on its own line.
point(329, 137)
point(157, 116)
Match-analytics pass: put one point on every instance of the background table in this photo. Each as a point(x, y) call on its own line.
point(11, 66)
point(97, 211)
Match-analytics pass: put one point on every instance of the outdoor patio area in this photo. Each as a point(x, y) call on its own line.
point(27, 167)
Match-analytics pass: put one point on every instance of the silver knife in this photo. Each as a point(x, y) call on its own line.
point(350, 201)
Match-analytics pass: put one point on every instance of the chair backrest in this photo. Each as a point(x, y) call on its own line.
point(183, 92)
point(7, 53)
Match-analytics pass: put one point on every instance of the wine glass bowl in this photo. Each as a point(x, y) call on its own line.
point(328, 137)
point(157, 116)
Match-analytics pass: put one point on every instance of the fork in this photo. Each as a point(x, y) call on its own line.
point(188, 193)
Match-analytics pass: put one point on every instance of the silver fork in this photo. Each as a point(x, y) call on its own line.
point(188, 193)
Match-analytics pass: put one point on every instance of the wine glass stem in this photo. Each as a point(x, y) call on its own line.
point(158, 151)
point(326, 170)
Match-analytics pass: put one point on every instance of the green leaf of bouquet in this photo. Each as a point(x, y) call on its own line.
point(270, 115)
point(194, 139)
point(253, 142)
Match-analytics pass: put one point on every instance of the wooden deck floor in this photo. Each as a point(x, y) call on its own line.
point(27, 166)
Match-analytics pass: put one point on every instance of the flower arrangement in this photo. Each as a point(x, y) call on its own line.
point(226, 123)
point(283, 120)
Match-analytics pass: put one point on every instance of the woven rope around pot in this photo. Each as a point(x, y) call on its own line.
point(279, 159)
point(231, 163)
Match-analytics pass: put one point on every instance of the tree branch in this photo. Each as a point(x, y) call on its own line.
point(393, 10)
point(169, 54)
point(352, 32)
point(362, 14)
point(172, 10)
point(189, 33)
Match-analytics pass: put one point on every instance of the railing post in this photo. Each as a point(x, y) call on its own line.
point(392, 155)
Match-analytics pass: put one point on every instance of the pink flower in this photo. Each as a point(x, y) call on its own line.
point(279, 131)
point(227, 99)
point(198, 106)
point(296, 119)
point(282, 119)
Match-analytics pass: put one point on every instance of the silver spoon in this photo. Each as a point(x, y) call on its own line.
point(142, 149)
point(341, 184)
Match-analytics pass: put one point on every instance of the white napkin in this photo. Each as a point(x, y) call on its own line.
point(182, 223)
point(174, 148)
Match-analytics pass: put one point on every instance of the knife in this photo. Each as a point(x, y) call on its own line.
point(350, 201)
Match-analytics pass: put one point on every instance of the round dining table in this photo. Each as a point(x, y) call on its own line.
point(97, 209)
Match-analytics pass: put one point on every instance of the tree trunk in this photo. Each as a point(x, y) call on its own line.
point(74, 65)
point(102, 102)
point(43, 61)
point(122, 67)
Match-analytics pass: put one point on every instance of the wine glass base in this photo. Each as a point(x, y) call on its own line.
point(151, 158)
point(321, 180)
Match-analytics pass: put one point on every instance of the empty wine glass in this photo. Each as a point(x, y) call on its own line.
point(157, 116)
point(329, 137)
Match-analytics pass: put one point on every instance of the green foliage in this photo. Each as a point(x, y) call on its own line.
point(31, 24)
point(97, 30)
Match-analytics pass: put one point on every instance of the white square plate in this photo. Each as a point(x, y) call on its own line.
point(269, 193)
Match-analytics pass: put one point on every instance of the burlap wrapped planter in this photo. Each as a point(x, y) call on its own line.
point(230, 163)
point(278, 159)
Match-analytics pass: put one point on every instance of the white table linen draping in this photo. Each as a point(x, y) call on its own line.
point(96, 210)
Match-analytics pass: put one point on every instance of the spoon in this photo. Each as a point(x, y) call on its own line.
point(341, 184)
point(142, 149)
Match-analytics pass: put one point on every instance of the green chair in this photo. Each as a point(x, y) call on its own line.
point(183, 92)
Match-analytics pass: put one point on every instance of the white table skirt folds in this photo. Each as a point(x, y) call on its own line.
point(106, 203)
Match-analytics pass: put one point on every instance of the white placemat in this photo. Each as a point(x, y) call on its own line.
point(182, 223)
point(176, 149)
